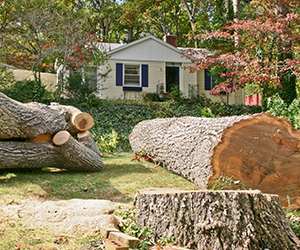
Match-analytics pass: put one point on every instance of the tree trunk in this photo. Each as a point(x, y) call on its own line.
point(261, 151)
point(27, 121)
point(35, 135)
point(214, 220)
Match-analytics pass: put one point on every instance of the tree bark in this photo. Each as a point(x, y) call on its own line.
point(216, 220)
point(261, 151)
point(27, 121)
point(71, 155)
point(35, 135)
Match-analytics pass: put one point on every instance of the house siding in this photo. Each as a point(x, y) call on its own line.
point(149, 51)
point(187, 79)
point(109, 89)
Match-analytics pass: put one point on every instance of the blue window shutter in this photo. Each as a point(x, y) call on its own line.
point(119, 74)
point(145, 76)
point(207, 80)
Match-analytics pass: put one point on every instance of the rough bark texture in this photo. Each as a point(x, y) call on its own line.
point(216, 219)
point(261, 151)
point(27, 121)
point(26, 131)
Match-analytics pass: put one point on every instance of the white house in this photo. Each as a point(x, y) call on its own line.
point(151, 65)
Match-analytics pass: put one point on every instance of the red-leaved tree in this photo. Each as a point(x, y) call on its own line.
point(266, 55)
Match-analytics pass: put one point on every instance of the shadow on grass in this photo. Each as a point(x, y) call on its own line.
point(63, 185)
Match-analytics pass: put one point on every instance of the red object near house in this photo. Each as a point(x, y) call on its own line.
point(253, 99)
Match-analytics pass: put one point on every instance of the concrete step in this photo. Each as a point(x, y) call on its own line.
point(132, 242)
point(115, 245)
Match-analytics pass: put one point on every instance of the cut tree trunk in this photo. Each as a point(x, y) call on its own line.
point(261, 151)
point(214, 220)
point(35, 135)
point(28, 121)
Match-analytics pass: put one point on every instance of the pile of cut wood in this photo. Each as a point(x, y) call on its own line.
point(35, 135)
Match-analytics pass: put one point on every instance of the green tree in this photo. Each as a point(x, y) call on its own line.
point(102, 16)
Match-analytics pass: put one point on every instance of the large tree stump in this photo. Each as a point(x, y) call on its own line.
point(35, 135)
point(261, 151)
point(214, 220)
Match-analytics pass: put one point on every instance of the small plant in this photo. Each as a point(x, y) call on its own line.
point(176, 94)
point(293, 217)
point(276, 106)
point(206, 112)
point(107, 143)
point(147, 237)
point(225, 183)
point(6, 78)
point(151, 97)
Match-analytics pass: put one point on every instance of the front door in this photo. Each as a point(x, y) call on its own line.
point(172, 78)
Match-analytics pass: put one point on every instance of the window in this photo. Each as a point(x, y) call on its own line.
point(132, 75)
point(91, 77)
point(210, 81)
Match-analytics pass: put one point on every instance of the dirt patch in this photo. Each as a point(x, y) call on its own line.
point(66, 216)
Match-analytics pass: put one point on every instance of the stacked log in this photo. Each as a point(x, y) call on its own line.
point(216, 220)
point(261, 151)
point(36, 135)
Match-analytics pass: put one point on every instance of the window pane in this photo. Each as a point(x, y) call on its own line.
point(132, 75)
point(213, 82)
point(132, 80)
point(132, 69)
point(91, 77)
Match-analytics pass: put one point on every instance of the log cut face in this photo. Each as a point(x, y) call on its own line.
point(35, 135)
point(214, 220)
point(261, 151)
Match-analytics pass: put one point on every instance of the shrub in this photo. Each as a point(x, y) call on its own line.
point(107, 143)
point(151, 97)
point(27, 91)
point(79, 86)
point(6, 78)
point(276, 106)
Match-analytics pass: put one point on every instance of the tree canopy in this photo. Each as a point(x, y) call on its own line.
point(253, 43)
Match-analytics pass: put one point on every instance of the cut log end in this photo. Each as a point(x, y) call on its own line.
point(83, 121)
point(61, 137)
point(83, 135)
point(269, 154)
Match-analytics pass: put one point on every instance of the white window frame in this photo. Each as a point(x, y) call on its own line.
point(140, 75)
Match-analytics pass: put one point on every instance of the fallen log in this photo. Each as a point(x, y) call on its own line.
point(35, 135)
point(261, 151)
point(28, 121)
point(216, 219)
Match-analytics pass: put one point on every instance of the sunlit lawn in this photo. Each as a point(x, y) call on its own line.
point(119, 181)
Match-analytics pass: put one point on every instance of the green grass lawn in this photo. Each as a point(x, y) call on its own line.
point(119, 181)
